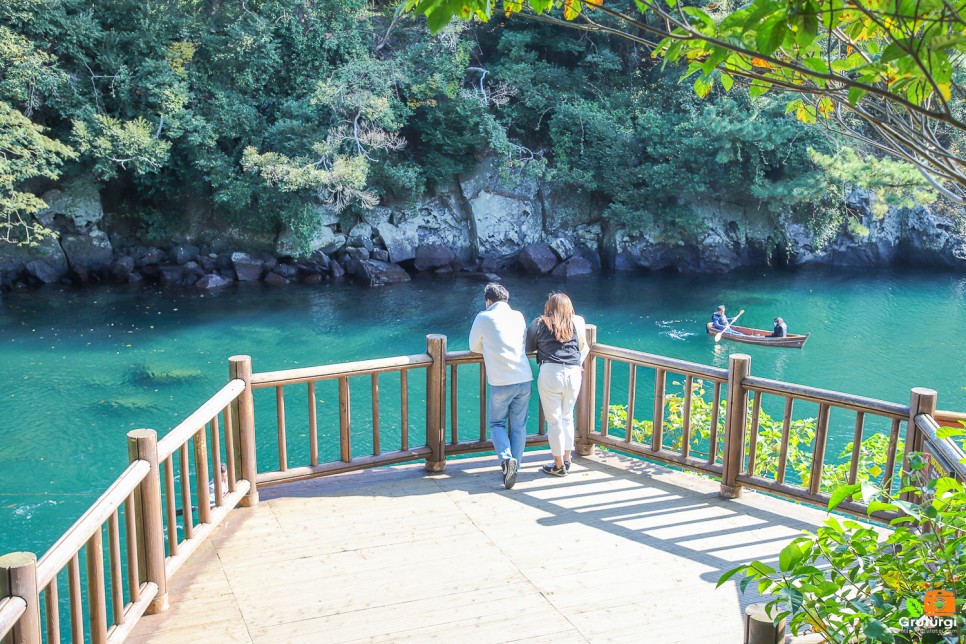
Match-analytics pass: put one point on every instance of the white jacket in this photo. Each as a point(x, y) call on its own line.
point(498, 333)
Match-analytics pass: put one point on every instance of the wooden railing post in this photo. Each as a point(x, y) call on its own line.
point(243, 411)
point(739, 368)
point(921, 401)
point(436, 403)
point(586, 400)
point(142, 444)
point(18, 578)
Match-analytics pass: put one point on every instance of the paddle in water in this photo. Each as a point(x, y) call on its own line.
point(717, 336)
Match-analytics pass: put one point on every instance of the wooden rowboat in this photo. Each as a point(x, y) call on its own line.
point(760, 336)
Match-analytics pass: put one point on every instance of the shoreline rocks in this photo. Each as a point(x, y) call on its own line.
point(482, 225)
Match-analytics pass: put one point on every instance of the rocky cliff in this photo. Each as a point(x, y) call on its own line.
point(492, 220)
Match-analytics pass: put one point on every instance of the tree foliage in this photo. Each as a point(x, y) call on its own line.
point(883, 72)
point(25, 153)
point(258, 111)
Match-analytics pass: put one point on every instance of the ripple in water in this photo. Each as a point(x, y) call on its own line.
point(27, 510)
point(675, 333)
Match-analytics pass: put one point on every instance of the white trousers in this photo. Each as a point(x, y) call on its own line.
point(558, 386)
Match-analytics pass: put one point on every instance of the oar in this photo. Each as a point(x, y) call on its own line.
point(717, 336)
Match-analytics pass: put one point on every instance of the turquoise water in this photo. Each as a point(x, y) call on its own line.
point(81, 368)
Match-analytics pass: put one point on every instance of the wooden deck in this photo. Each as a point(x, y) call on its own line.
point(620, 550)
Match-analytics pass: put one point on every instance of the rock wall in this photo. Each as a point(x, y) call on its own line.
point(491, 220)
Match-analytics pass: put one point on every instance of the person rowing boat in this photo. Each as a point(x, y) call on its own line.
point(721, 322)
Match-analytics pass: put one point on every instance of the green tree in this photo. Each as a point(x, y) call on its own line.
point(882, 73)
point(25, 154)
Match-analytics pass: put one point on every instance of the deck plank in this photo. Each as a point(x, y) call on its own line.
point(620, 550)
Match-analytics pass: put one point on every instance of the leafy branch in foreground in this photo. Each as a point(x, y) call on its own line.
point(882, 72)
point(856, 583)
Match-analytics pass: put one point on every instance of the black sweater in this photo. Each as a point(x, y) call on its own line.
point(541, 340)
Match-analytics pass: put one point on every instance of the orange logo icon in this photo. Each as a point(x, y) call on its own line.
point(939, 603)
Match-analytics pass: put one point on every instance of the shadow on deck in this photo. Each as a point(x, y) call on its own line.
point(620, 550)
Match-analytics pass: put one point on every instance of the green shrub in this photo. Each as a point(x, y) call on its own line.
point(873, 451)
point(855, 583)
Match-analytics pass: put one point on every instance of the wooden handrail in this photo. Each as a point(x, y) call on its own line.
point(187, 428)
point(835, 398)
point(949, 418)
point(946, 450)
point(659, 362)
point(60, 554)
point(328, 372)
point(11, 610)
point(463, 357)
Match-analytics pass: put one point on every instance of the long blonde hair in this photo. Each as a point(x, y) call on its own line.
point(558, 315)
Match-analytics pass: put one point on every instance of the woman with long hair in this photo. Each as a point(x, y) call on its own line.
point(559, 338)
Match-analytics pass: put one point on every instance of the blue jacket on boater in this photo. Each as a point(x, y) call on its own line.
point(719, 321)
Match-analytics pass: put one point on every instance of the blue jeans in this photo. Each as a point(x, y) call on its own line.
point(509, 402)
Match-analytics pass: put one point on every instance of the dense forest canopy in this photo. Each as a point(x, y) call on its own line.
point(887, 73)
point(258, 111)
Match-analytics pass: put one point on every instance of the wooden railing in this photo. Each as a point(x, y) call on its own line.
point(152, 527)
point(168, 507)
point(344, 374)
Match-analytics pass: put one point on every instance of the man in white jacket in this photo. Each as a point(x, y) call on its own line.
point(498, 333)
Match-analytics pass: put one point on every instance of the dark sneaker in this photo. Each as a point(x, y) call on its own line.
point(510, 467)
point(567, 465)
point(553, 470)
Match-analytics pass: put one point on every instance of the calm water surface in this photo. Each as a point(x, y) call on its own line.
point(81, 368)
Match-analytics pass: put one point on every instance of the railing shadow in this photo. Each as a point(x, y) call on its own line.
point(679, 514)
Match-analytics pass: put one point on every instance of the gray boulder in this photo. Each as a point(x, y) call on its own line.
point(147, 256)
point(123, 267)
point(182, 253)
point(194, 269)
point(430, 256)
point(379, 273)
point(78, 200)
point(376, 217)
point(85, 253)
point(381, 255)
point(357, 253)
point(336, 270)
point(573, 267)
point(211, 281)
point(14, 259)
point(170, 274)
point(288, 271)
point(360, 236)
point(400, 241)
point(505, 207)
point(538, 259)
point(43, 271)
point(562, 247)
point(246, 268)
point(274, 279)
